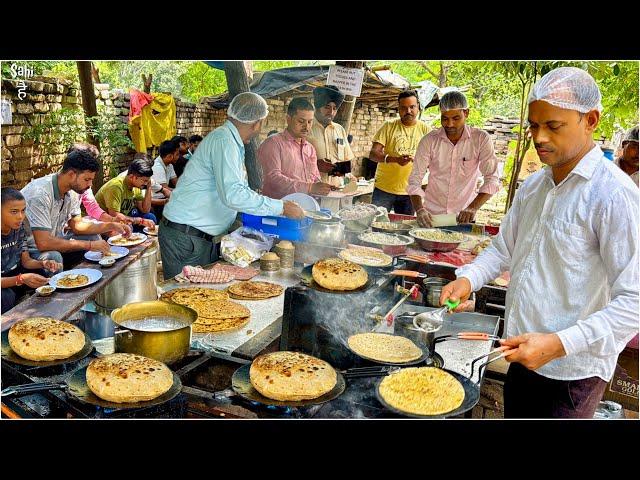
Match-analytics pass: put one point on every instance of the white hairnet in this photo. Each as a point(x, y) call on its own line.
point(248, 107)
point(569, 88)
point(453, 100)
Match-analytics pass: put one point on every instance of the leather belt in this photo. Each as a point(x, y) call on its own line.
point(189, 230)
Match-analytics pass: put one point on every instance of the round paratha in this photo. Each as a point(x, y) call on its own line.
point(128, 378)
point(339, 274)
point(366, 256)
point(422, 391)
point(384, 347)
point(184, 296)
point(291, 376)
point(251, 290)
point(44, 339)
point(217, 326)
point(219, 310)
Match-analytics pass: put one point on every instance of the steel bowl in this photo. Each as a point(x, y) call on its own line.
point(388, 249)
point(360, 224)
point(400, 228)
point(433, 245)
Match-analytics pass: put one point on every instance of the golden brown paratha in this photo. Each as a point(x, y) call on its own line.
point(184, 296)
point(251, 290)
point(339, 274)
point(128, 378)
point(291, 376)
point(220, 325)
point(44, 339)
point(219, 310)
point(384, 347)
point(422, 391)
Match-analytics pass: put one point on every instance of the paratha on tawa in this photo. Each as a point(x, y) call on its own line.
point(44, 339)
point(422, 391)
point(384, 347)
point(291, 376)
point(219, 326)
point(254, 290)
point(339, 274)
point(128, 378)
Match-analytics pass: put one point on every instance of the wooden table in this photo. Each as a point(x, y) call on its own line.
point(62, 304)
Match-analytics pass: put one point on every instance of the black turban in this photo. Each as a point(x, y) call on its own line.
point(324, 95)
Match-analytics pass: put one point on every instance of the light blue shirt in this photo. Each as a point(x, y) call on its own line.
point(214, 186)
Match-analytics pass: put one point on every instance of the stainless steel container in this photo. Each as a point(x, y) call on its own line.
point(433, 289)
point(137, 283)
point(326, 232)
point(159, 330)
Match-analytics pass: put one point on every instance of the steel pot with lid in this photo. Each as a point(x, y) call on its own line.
point(328, 232)
point(156, 329)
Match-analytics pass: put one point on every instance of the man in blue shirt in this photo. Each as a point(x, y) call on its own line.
point(214, 189)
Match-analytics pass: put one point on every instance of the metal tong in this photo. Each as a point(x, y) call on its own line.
point(363, 372)
point(386, 321)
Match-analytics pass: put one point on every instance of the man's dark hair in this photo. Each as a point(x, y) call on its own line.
point(141, 167)
point(92, 149)
point(349, 138)
point(80, 161)
point(168, 147)
point(9, 194)
point(409, 93)
point(299, 103)
point(272, 132)
point(195, 138)
point(179, 139)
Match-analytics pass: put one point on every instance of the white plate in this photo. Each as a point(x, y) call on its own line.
point(150, 232)
point(305, 201)
point(142, 238)
point(94, 276)
point(97, 256)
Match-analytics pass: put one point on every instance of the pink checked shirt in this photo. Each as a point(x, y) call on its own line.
point(287, 166)
point(453, 170)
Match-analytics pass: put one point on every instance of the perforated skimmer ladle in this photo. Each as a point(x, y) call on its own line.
point(432, 321)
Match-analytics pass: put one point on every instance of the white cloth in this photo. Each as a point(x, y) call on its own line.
point(161, 174)
point(572, 251)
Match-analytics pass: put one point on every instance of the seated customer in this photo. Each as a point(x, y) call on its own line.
point(53, 211)
point(123, 194)
point(16, 261)
point(289, 162)
point(181, 161)
point(164, 176)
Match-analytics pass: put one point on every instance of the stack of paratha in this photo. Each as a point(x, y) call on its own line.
point(254, 290)
point(339, 274)
point(184, 296)
point(291, 376)
point(383, 347)
point(45, 339)
point(422, 391)
point(216, 313)
point(128, 378)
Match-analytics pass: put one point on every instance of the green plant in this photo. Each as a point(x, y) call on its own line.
point(67, 125)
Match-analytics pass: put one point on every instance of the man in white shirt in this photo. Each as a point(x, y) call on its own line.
point(164, 176)
point(570, 242)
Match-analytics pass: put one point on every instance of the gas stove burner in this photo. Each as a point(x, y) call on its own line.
point(435, 360)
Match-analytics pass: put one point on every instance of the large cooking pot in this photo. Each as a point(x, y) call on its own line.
point(156, 329)
point(137, 283)
point(329, 232)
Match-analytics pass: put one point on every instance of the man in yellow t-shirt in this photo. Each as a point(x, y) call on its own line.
point(394, 146)
point(327, 137)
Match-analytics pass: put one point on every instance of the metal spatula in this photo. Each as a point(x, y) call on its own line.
point(432, 321)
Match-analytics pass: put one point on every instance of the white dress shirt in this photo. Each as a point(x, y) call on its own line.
point(572, 251)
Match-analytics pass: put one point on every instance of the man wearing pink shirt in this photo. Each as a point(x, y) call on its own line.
point(455, 155)
point(289, 161)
